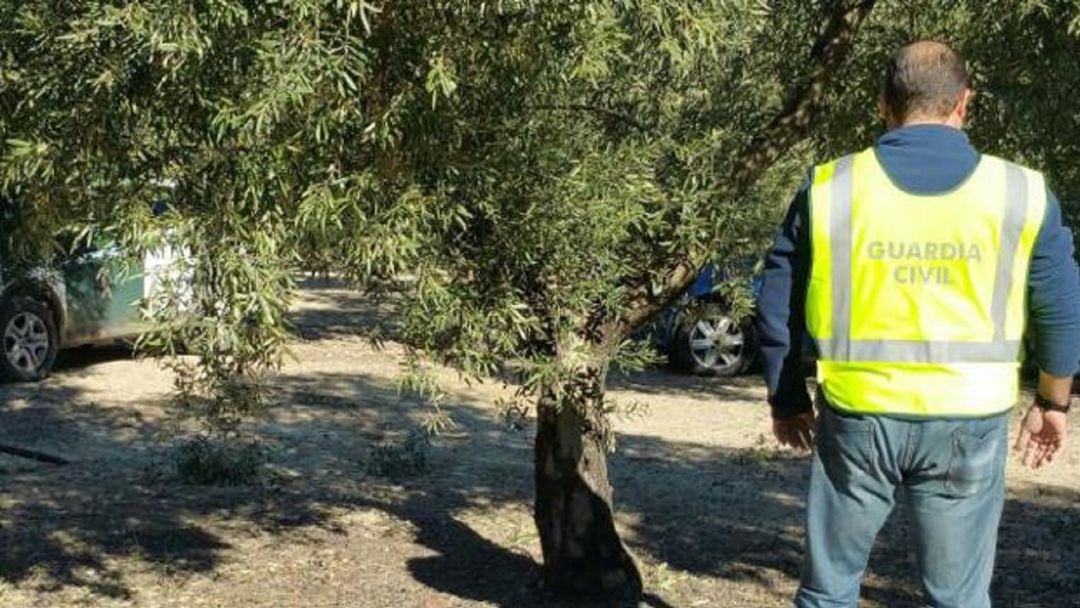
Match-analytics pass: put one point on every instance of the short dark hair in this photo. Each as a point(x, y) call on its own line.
point(924, 78)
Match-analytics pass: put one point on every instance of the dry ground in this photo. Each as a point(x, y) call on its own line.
point(711, 508)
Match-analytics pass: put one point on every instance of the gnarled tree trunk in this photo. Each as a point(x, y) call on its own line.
point(583, 554)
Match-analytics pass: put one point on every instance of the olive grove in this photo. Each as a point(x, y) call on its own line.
point(547, 175)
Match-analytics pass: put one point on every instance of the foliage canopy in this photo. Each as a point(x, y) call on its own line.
point(534, 166)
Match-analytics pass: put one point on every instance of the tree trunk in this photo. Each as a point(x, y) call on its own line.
point(583, 554)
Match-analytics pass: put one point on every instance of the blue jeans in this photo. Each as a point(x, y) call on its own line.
point(949, 473)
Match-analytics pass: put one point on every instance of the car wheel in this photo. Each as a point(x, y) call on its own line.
point(708, 341)
point(30, 340)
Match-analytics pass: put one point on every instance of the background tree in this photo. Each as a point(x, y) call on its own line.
point(548, 176)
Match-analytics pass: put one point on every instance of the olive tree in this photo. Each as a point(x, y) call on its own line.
point(549, 176)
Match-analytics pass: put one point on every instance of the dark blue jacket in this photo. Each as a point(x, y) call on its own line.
point(923, 159)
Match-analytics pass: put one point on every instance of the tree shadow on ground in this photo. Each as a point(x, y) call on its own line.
point(718, 513)
point(56, 525)
point(663, 381)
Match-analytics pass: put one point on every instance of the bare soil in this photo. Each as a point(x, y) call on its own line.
point(711, 508)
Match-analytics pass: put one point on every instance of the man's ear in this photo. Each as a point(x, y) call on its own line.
point(960, 112)
point(884, 112)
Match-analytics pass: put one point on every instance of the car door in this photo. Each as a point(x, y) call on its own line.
point(102, 295)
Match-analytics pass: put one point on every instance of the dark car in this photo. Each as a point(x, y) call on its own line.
point(700, 335)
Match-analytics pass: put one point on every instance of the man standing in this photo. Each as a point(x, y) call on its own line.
point(915, 267)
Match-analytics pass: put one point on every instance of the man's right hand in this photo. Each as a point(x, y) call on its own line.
point(1042, 436)
point(796, 431)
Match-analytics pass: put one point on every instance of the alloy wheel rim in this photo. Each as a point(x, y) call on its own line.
point(716, 340)
point(26, 342)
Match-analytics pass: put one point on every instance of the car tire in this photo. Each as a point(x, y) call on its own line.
point(30, 340)
point(707, 341)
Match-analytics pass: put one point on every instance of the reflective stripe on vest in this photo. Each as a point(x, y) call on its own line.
point(928, 328)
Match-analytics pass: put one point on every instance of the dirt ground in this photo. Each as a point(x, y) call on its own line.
point(711, 508)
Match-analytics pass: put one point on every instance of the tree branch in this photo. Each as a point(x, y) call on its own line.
point(829, 53)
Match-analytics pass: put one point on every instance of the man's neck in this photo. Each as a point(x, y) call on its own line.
point(915, 122)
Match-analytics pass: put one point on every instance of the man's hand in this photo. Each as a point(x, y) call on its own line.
point(1042, 436)
point(796, 432)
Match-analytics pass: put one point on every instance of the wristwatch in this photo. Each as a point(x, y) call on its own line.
point(1047, 405)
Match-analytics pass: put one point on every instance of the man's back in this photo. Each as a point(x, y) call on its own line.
point(925, 159)
point(916, 301)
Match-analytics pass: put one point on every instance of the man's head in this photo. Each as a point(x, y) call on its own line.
point(925, 82)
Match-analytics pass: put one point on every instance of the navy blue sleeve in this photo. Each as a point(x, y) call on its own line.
point(1054, 296)
point(781, 310)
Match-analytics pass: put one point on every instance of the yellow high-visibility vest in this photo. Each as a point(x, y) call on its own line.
point(917, 303)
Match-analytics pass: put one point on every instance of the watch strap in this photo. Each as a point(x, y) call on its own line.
point(1050, 406)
